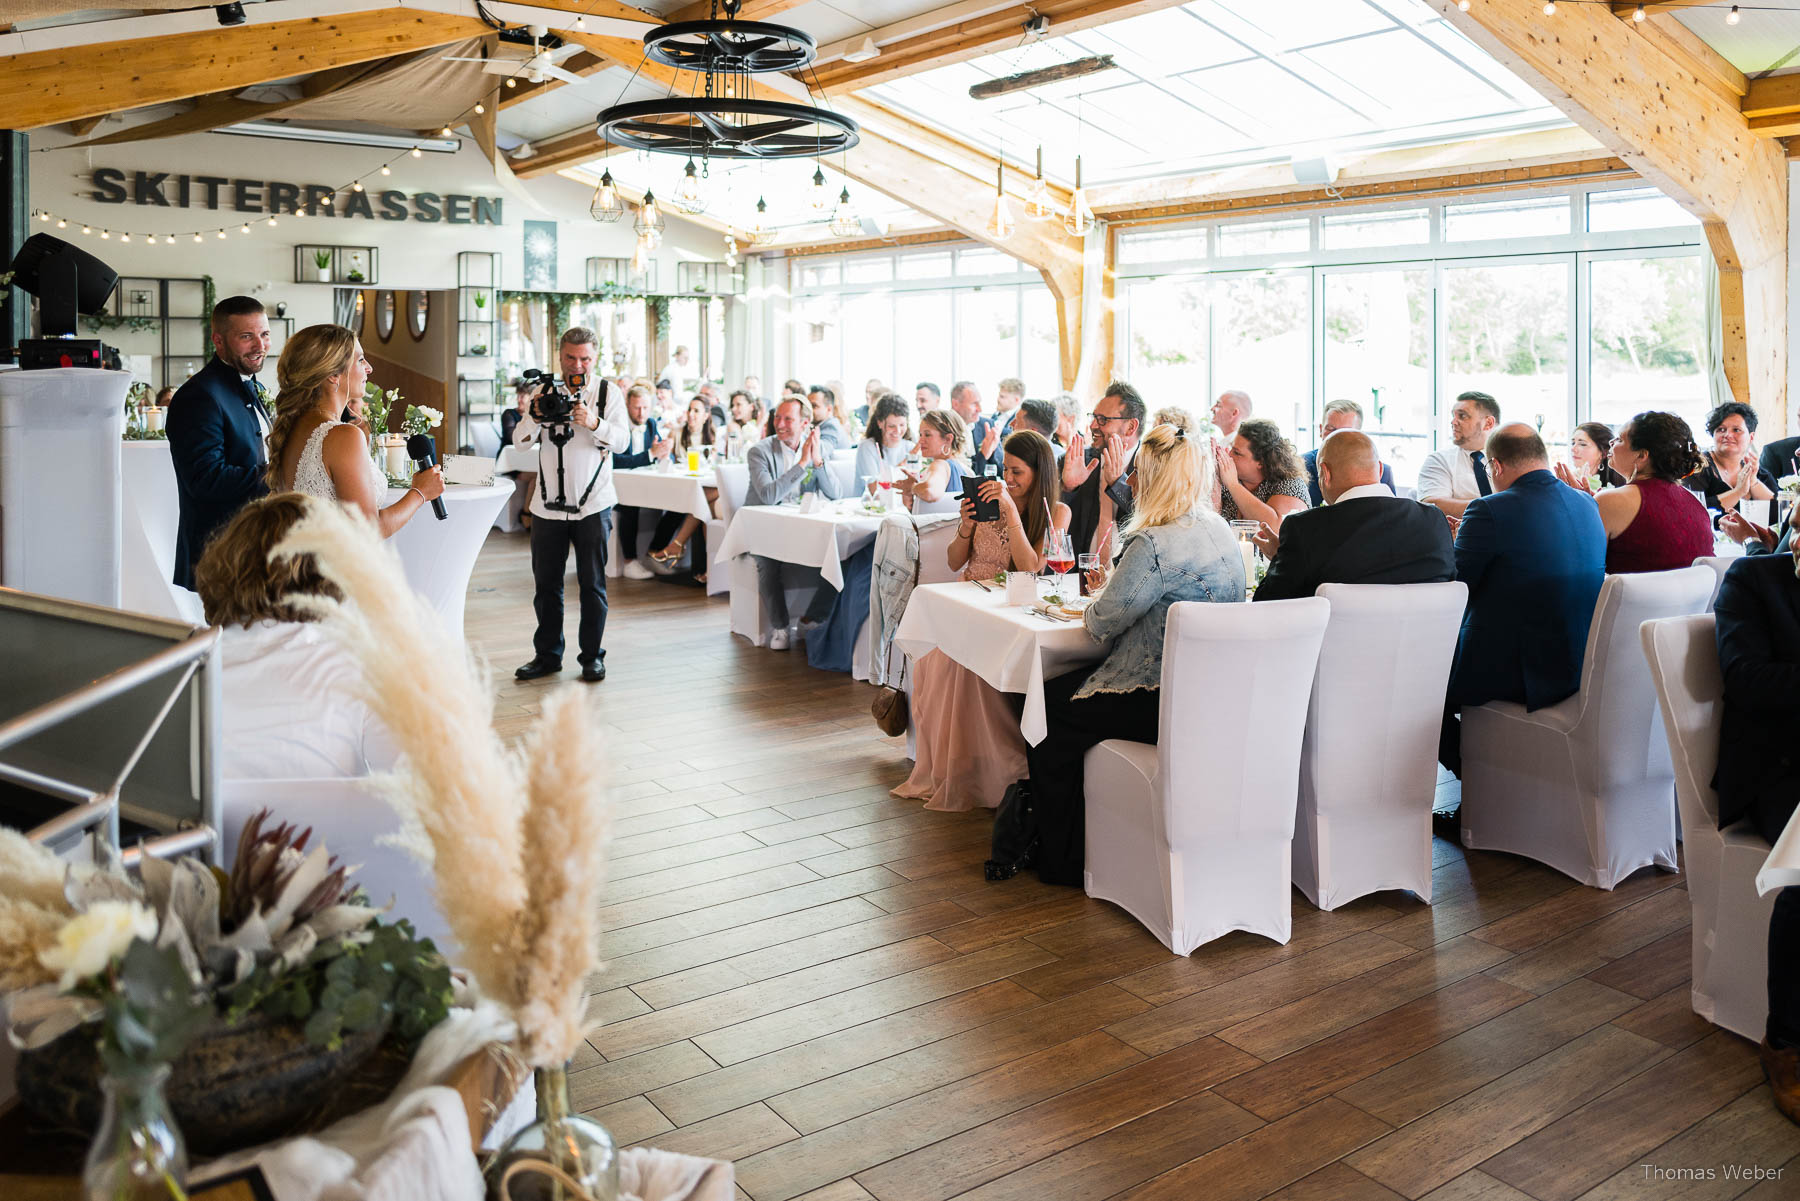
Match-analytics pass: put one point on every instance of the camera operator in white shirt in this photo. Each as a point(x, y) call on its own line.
point(573, 506)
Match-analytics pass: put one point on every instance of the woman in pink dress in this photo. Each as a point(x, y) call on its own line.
point(969, 745)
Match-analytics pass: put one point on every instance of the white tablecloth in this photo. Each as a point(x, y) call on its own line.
point(1004, 645)
point(516, 458)
point(1782, 867)
point(670, 491)
point(438, 555)
point(823, 540)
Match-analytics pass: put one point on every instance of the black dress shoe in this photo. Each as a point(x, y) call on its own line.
point(593, 673)
point(537, 669)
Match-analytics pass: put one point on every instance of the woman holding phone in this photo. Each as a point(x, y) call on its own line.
point(969, 745)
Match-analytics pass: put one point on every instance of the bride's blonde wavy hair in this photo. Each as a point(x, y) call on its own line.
point(303, 375)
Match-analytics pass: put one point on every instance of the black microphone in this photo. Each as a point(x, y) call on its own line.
point(423, 451)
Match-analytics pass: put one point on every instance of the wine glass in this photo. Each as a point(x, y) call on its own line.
point(1059, 557)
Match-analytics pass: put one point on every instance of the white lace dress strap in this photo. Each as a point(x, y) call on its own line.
point(310, 475)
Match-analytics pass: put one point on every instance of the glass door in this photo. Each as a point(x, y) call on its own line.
point(1375, 349)
point(1507, 328)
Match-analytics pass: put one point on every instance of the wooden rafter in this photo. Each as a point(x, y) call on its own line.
point(1678, 131)
point(1626, 8)
point(42, 89)
point(752, 10)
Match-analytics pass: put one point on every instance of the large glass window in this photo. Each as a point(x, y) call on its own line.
point(1646, 339)
point(1518, 217)
point(1507, 334)
point(987, 335)
point(1168, 339)
point(1263, 344)
point(922, 340)
point(1377, 353)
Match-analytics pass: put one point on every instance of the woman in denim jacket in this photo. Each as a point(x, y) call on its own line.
point(1175, 548)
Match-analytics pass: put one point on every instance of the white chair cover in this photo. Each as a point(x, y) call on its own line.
point(351, 821)
point(1368, 766)
point(1719, 564)
point(1585, 785)
point(1193, 836)
point(734, 486)
point(1731, 922)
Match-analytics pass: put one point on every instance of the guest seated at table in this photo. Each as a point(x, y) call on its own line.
point(1364, 535)
point(1260, 476)
point(647, 445)
point(1068, 420)
point(741, 424)
point(509, 420)
point(1172, 415)
point(969, 748)
point(873, 391)
point(785, 467)
point(1653, 523)
point(1779, 458)
point(1339, 415)
point(291, 696)
point(676, 530)
point(1173, 548)
point(927, 396)
point(1590, 459)
point(1231, 410)
point(825, 419)
point(1730, 473)
point(1039, 415)
point(1095, 481)
point(943, 443)
point(321, 373)
point(1452, 477)
point(1533, 554)
point(885, 443)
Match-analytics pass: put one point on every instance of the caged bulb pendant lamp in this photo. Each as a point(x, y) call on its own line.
point(650, 222)
point(820, 196)
point(606, 205)
point(1000, 225)
point(1039, 205)
point(1081, 217)
point(689, 197)
point(760, 232)
point(844, 221)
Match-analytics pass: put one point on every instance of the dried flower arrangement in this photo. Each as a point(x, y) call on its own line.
point(516, 839)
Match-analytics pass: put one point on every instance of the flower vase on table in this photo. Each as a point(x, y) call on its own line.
point(138, 1153)
point(562, 1156)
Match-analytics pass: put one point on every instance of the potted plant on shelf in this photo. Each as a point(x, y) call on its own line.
point(355, 275)
point(322, 260)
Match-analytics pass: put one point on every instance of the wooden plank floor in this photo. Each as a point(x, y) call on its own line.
point(812, 979)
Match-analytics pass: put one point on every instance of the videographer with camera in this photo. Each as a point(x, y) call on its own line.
point(576, 421)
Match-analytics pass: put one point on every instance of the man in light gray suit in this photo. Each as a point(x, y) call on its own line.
point(785, 468)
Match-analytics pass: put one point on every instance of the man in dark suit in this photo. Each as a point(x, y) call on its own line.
point(1338, 415)
point(217, 423)
point(1098, 492)
point(1533, 553)
point(1778, 457)
point(1366, 535)
point(646, 446)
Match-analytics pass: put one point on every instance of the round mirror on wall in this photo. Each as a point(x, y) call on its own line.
point(418, 314)
point(385, 307)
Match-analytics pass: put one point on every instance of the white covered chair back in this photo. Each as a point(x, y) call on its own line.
point(352, 822)
point(1192, 836)
point(1730, 920)
point(734, 487)
point(843, 467)
point(1368, 765)
point(1719, 565)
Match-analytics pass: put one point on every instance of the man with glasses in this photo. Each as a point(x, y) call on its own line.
point(1095, 481)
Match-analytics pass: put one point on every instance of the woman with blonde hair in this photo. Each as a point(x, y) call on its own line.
point(314, 451)
point(292, 695)
point(944, 444)
point(1174, 548)
point(968, 743)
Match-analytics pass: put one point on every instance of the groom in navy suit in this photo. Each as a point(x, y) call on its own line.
point(217, 423)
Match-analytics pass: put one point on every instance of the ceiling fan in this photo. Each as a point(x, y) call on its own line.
point(541, 61)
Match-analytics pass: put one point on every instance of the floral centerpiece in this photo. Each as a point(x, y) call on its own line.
point(279, 971)
point(1789, 486)
point(419, 419)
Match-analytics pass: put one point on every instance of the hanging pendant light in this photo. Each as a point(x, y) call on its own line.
point(688, 197)
point(760, 233)
point(640, 258)
point(820, 197)
point(1081, 217)
point(606, 205)
point(1000, 225)
point(1039, 204)
point(650, 223)
point(844, 221)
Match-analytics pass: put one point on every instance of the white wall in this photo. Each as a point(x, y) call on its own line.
point(413, 254)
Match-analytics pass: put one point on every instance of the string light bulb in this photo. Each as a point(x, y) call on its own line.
point(124, 237)
point(386, 170)
point(511, 82)
point(1081, 217)
point(62, 223)
point(444, 132)
point(196, 237)
point(581, 22)
point(271, 221)
point(169, 240)
point(87, 229)
point(1638, 14)
point(43, 214)
point(1731, 18)
point(106, 235)
point(480, 108)
point(220, 235)
point(1549, 8)
point(417, 153)
point(640, 257)
point(357, 186)
point(245, 228)
point(821, 199)
point(1463, 4)
point(1000, 225)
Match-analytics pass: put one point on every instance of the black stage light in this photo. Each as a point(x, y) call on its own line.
point(230, 14)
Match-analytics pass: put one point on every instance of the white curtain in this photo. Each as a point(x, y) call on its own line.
point(1718, 387)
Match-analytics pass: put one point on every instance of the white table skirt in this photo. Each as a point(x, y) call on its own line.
point(823, 540)
point(670, 491)
point(1009, 648)
point(150, 518)
point(439, 556)
point(1782, 868)
point(516, 458)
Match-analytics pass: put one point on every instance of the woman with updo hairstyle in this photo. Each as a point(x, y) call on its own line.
point(292, 696)
point(1589, 468)
point(1653, 523)
point(313, 450)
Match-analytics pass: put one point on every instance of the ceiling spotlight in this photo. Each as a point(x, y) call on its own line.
point(1639, 14)
point(1731, 18)
point(230, 14)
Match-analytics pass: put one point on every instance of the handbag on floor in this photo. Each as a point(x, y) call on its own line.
point(1015, 834)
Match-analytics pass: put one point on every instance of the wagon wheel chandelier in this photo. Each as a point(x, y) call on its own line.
point(725, 121)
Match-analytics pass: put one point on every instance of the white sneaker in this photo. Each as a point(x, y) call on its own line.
point(634, 570)
point(778, 639)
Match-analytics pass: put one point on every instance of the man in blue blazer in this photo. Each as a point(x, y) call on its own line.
point(1338, 415)
point(1533, 554)
point(217, 422)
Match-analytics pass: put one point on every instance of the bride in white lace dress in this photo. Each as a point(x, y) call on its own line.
point(321, 373)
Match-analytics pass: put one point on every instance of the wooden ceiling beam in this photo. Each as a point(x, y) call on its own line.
point(1692, 51)
point(752, 10)
point(1676, 130)
point(1627, 8)
point(41, 88)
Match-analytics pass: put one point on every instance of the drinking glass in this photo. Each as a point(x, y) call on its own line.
point(1059, 558)
point(1084, 564)
point(1246, 531)
point(693, 460)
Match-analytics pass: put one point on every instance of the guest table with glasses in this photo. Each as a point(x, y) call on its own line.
point(822, 539)
point(672, 490)
point(438, 556)
point(1013, 649)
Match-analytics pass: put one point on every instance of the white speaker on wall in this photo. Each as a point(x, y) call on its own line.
point(1315, 171)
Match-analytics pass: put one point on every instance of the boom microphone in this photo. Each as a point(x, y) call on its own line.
point(423, 451)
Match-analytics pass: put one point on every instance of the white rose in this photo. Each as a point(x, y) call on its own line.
point(431, 415)
point(90, 941)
